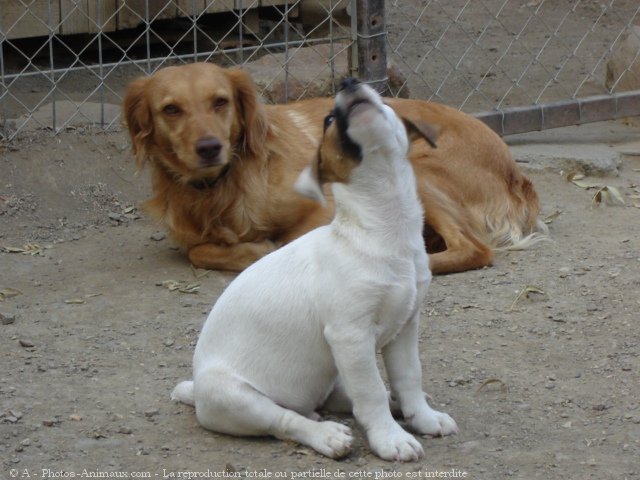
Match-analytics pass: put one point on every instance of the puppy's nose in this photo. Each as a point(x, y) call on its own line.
point(349, 84)
point(208, 148)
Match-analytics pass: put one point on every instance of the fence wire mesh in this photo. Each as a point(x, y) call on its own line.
point(67, 62)
point(486, 54)
point(492, 55)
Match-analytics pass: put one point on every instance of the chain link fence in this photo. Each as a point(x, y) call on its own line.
point(520, 65)
point(67, 62)
point(525, 64)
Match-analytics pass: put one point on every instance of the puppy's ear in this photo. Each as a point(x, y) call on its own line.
point(137, 115)
point(252, 115)
point(419, 129)
point(308, 183)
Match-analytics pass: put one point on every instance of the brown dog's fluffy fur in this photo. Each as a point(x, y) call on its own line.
point(224, 166)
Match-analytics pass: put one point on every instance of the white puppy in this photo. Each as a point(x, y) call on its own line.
point(299, 330)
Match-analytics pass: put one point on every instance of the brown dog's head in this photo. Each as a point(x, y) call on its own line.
point(194, 118)
point(339, 152)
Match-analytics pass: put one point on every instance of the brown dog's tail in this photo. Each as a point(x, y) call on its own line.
point(519, 226)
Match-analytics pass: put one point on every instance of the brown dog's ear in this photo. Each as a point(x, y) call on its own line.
point(419, 129)
point(252, 114)
point(138, 118)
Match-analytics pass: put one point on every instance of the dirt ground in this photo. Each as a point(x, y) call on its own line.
point(536, 357)
point(96, 330)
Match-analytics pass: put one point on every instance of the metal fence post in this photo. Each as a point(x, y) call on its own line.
point(371, 44)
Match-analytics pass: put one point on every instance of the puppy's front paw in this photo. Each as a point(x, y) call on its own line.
point(396, 445)
point(331, 439)
point(433, 422)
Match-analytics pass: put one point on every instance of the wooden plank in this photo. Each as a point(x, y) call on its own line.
point(190, 8)
point(84, 16)
point(133, 12)
point(269, 3)
point(107, 15)
point(73, 17)
point(215, 6)
point(41, 17)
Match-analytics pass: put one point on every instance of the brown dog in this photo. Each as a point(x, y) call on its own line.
point(224, 166)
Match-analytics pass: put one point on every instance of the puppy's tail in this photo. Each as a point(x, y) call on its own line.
point(184, 393)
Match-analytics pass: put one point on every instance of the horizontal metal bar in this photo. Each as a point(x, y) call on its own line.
point(531, 118)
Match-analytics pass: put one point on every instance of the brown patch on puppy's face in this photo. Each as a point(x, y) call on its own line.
point(335, 159)
point(357, 112)
point(338, 155)
point(334, 162)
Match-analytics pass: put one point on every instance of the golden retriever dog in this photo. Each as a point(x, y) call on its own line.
point(224, 166)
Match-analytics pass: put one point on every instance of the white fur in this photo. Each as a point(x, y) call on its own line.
point(299, 329)
point(309, 187)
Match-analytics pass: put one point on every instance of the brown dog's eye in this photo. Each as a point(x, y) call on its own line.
point(171, 109)
point(219, 103)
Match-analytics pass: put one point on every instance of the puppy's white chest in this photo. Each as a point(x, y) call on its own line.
point(398, 303)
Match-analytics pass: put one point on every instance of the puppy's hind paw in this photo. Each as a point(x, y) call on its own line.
point(396, 446)
point(183, 392)
point(331, 439)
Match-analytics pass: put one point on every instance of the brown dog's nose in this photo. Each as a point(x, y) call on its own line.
point(208, 148)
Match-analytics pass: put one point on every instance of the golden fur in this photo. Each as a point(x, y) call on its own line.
point(223, 168)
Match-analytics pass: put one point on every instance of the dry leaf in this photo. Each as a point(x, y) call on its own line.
point(609, 196)
point(197, 274)
point(8, 293)
point(605, 194)
point(13, 249)
point(584, 184)
point(74, 301)
point(577, 179)
point(190, 288)
point(182, 287)
point(551, 217)
point(170, 284)
point(503, 387)
point(27, 249)
point(525, 292)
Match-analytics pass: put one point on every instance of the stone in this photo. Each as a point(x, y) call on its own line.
point(151, 412)
point(590, 159)
point(7, 319)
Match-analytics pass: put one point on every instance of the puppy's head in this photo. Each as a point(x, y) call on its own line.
point(193, 118)
point(360, 123)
